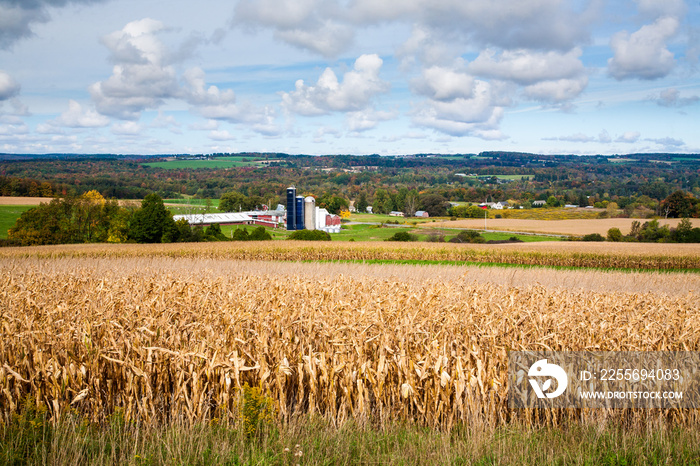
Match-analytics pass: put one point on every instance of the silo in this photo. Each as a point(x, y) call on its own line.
point(310, 213)
point(299, 214)
point(291, 208)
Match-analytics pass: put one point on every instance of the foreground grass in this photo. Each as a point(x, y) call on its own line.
point(33, 439)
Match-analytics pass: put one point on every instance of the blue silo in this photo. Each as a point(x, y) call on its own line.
point(299, 213)
point(291, 208)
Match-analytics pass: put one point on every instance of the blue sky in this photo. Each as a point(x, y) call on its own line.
point(349, 76)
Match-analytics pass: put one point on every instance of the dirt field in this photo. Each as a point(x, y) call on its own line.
point(557, 227)
point(11, 200)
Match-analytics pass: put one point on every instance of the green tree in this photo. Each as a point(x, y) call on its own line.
point(152, 223)
point(434, 204)
point(241, 234)
point(614, 234)
point(233, 201)
point(310, 235)
point(260, 234)
point(361, 203)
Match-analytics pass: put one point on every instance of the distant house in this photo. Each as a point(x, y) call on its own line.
point(538, 203)
point(422, 213)
point(487, 205)
point(395, 213)
point(369, 209)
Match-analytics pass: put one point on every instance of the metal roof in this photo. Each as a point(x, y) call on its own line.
point(202, 219)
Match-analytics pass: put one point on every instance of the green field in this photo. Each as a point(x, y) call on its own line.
point(9, 215)
point(219, 162)
point(364, 232)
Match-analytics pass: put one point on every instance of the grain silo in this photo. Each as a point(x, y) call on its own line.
point(299, 214)
point(291, 208)
point(310, 213)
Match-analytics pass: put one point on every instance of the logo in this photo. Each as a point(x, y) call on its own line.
point(542, 369)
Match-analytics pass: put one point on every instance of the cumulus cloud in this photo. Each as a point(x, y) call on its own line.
point(307, 24)
point(144, 77)
point(217, 104)
point(327, 26)
point(140, 79)
point(643, 54)
point(8, 86)
point(79, 117)
point(628, 137)
point(444, 84)
point(478, 115)
point(524, 24)
point(672, 98)
point(547, 76)
point(17, 17)
point(368, 119)
point(354, 93)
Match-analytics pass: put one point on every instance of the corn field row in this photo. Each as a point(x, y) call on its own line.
point(646, 256)
point(179, 345)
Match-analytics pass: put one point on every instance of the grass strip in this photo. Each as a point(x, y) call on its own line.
point(494, 264)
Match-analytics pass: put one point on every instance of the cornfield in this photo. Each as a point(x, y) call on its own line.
point(161, 338)
point(645, 256)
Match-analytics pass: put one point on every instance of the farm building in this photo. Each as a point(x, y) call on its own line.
point(422, 213)
point(395, 213)
point(267, 218)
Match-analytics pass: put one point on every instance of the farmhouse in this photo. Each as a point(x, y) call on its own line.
point(422, 213)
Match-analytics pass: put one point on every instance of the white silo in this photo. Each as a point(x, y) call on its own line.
point(310, 213)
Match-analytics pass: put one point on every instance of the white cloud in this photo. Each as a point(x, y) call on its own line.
point(444, 84)
point(328, 39)
point(628, 137)
point(656, 9)
point(478, 115)
point(17, 17)
point(327, 26)
point(308, 24)
point(668, 142)
point(78, 117)
point(127, 128)
point(603, 137)
point(8, 86)
point(523, 24)
point(358, 87)
point(547, 76)
point(672, 98)
point(643, 54)
point(368, 119)
point(221, 135)
point(526, 67)
point(140, 80)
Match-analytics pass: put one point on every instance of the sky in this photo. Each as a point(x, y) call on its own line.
point(384, 77)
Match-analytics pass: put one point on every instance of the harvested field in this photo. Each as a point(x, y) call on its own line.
point(648, 256)
point(13, 200)
point(175, 338)
point(577, 227)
